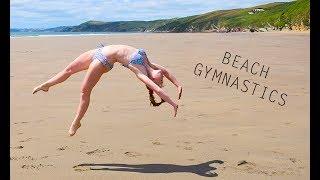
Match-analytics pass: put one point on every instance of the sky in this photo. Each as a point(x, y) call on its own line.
point(53, 13)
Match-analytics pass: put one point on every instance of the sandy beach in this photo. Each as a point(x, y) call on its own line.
point(232, 134)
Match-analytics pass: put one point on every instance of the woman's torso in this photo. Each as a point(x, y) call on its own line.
point(119, 53)
point(124, 55)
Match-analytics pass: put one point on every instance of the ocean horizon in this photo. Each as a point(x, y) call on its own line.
point(48, 34)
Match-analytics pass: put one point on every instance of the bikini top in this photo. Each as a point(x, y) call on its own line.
point(137, 58)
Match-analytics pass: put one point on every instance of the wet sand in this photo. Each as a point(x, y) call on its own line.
point(232, 134)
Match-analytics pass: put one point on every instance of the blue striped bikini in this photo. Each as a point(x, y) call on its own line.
point(136, 58)
point(101, 57)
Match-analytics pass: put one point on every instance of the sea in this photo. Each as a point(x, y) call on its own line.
point(48, 34)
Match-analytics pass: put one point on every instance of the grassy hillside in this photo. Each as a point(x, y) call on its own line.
point(274, 14)
point(119, 26)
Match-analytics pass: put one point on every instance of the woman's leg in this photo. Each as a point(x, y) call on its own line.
point(95, 71)
point(79, 64)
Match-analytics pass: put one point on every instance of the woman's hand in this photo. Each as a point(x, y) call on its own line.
point(179, 91)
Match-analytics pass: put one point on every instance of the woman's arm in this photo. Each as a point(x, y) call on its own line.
point(151, 85)
point(168, 75)
point(160, 92)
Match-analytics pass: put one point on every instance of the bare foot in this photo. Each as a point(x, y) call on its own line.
point(73, 128)
point(175, 110)
point(40, 87)
point(179, 91)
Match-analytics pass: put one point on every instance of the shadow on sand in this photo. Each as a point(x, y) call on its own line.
point(203, 169)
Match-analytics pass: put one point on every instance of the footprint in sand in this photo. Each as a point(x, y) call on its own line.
point(253, 168)
point(186, 145)
point(235, 109)
point(225, 149)
point(62, 148)
point(36, 166)
point(202, 115)
point(26, 140)
point(17, 147)
point(81, 168)
point(23, 122)
point(132, 154)
point(244, 165)
point(22, 158)
point(294, 160)
point(242, 162)
point(83, 144)
point(44, 157)
point(188, 148)
point(157, 143)
point(277, 152)
point(98, 152)
point(288, 123)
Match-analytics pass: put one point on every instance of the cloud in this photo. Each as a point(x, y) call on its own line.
point(51, 13)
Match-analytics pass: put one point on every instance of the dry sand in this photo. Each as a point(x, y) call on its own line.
point(215, 124)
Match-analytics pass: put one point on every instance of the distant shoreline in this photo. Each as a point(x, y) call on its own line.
point(62, 34)
point(68, 34)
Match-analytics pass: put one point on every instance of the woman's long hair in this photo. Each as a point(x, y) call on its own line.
point(152, 98)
